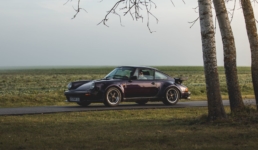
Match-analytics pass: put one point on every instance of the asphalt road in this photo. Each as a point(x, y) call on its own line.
point(101, 107)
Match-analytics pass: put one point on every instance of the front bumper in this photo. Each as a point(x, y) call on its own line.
point(83, 96)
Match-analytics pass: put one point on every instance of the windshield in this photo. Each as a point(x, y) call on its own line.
point(120, 73)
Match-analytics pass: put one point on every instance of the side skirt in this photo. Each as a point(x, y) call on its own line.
point(141, 98)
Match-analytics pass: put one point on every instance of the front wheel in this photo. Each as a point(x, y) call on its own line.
point(171, 96)
point(84, 104)
point(113, 97)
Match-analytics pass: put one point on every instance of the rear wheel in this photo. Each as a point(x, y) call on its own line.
point(141, 102)
point(113, 97)
point(84, 104)
point(171, 96)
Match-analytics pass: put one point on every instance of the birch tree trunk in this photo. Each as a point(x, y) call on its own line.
point(215, 106)
point(234, 93)
point(253, 40)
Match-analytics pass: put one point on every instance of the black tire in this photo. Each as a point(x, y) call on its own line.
point(171, 96)
point(113, 97)
point(84, 104)
point(141, 102)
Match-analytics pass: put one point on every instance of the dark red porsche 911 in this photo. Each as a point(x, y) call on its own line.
point(128, 83)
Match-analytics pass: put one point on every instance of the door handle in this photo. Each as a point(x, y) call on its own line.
point(153, 83)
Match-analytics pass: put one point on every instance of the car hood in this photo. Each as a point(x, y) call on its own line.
point(86, 86)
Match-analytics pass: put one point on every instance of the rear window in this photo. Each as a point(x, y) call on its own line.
point(160, 76)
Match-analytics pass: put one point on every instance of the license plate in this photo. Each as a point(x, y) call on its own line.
point(74, 99)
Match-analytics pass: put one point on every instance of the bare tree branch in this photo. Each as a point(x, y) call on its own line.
point(149, 13)
point(132, 7)
point(195, 9)
point(67, 2)
point(112, 9)
point(232, 11)
point(193, 22)
point(172, 3)
point(76, 10)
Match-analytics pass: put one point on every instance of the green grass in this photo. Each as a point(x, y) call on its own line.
point(45, 86)
point(152, 129)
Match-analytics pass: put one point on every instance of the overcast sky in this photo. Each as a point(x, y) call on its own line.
point(42, 33)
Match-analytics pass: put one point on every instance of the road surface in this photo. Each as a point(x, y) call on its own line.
point(101, 107)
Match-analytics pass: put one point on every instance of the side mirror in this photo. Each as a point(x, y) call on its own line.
point(133, 78)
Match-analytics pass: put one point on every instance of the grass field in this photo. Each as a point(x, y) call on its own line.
point(45, 86)
point(152, 129)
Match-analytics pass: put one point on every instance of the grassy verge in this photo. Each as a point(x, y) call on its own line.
point(181, 128)
point(37, 87)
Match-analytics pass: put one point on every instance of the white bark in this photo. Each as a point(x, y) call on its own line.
point(215, 106)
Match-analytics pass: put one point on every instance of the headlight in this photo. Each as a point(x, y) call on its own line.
point(69, 85)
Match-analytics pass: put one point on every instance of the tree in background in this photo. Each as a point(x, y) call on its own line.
point(215, 106)
point(234, 93)
point(253, 40)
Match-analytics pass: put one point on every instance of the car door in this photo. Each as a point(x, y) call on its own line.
point(146, 82)
point(133, 88)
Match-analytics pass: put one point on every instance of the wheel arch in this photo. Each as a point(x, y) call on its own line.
point(115, 86)
point(173, 86)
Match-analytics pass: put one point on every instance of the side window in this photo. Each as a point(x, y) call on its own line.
point(145, 74)
point(123, 73)
point(160, 76)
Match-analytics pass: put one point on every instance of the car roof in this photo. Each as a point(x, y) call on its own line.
point(139, 67)
point(145, 67)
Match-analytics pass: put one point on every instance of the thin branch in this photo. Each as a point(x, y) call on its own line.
point(172, 3)
point(149, 13)
point(112, 9)
point(196, 9)
point(119, 18)
point(67, 2)
point(78, 9)
point(129, 9)
point(193, 22)
point(233, 11)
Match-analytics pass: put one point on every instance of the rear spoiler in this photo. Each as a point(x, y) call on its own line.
point(180, 80)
